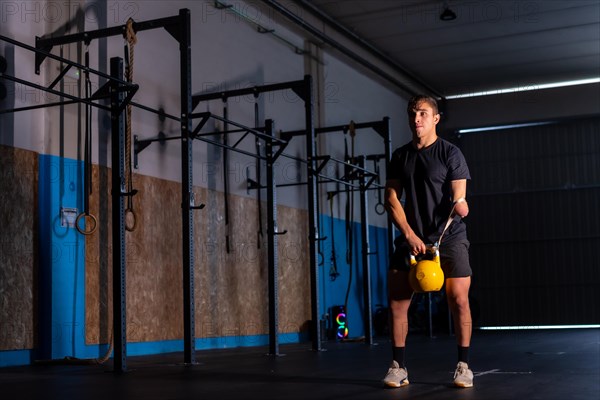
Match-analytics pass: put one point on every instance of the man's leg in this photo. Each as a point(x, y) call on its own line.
point(457, 292)
point(400, 294)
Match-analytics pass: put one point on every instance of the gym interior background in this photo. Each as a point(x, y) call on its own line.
point(534, 154)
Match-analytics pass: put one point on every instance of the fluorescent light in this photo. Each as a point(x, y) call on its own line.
point(495, 128)
point(525, 88)
point(532, 327)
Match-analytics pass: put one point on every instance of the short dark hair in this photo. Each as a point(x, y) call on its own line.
point(420, 98)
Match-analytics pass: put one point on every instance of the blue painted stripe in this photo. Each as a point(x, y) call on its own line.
point(224, 342)
point(26, 357)
point(12, 358)
point(62, 259)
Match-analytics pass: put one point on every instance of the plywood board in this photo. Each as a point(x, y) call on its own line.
point(18, 248)
point(231, 278)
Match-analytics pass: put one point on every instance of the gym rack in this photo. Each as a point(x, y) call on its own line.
point(382, 128)
point(180, 28)
point(274, 148)
point(120, 93)
point(304, 89)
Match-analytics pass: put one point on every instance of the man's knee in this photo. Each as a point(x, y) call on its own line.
point(399, 308)
point(459, 302)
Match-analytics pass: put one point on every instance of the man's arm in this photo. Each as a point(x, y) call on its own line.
point(459, 194)
point(393, 193)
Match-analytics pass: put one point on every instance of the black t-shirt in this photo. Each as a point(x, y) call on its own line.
point(426, 177)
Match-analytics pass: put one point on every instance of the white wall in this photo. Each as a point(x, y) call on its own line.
point(22, 21)
point(351, 95)
point(227, 53)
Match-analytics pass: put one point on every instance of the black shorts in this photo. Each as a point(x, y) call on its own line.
point(454, 259)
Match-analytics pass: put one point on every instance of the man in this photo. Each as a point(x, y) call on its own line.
point(432, 174)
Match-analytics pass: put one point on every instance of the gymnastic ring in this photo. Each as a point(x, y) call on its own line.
point(130, 226)
point(379, 208)
point(83, 231)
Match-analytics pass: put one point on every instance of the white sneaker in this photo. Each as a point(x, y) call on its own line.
point(396, 377)
point(463, 376)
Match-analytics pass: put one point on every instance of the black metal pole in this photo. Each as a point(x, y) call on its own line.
point(187, 195)
point(364, 231)
point(315, 327)
point(387, 141)
point(118, 219)
point(272, 244)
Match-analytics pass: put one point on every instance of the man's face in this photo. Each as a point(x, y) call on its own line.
point(422, 120)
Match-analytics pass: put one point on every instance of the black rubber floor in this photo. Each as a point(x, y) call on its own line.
point(550, 364)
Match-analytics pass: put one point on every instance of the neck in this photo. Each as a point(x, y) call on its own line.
point(426, 141)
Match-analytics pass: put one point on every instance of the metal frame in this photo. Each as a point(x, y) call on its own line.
point(272, 233)
point(102, 93)
point(304, 89)
point(120, 93)
point(359, 172)
point(362, 175)
point(364, 231)
point(180, 28)
point(141, 144)
point(274, 148)
point(322, 163)
point(118, 225)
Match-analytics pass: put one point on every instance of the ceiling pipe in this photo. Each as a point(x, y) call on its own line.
point(412, 86)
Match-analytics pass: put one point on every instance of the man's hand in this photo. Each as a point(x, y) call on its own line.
point(416, 245)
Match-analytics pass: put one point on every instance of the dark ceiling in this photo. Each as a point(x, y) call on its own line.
point(490, 45)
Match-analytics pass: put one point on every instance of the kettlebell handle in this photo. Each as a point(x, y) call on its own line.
point(431, 249)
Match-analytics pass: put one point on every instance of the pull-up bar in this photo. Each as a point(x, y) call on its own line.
point(171, 24)
point(297, 86)
point(141, 144)
point(252, 184)
point(381, 127)
point(102, 93)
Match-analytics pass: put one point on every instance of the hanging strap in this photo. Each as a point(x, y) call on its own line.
point(450, 219)
point(87, 155)
point(349, 212)
point(333, 271)
point(225, 174)
point(350, 195)
point(130, 215)
point(258, 172)
point(350, 216)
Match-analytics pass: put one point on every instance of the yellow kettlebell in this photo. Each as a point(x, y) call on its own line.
point(426, 275)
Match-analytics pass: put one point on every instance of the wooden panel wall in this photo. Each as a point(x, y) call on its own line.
point(231, 284)
point(18, 243)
